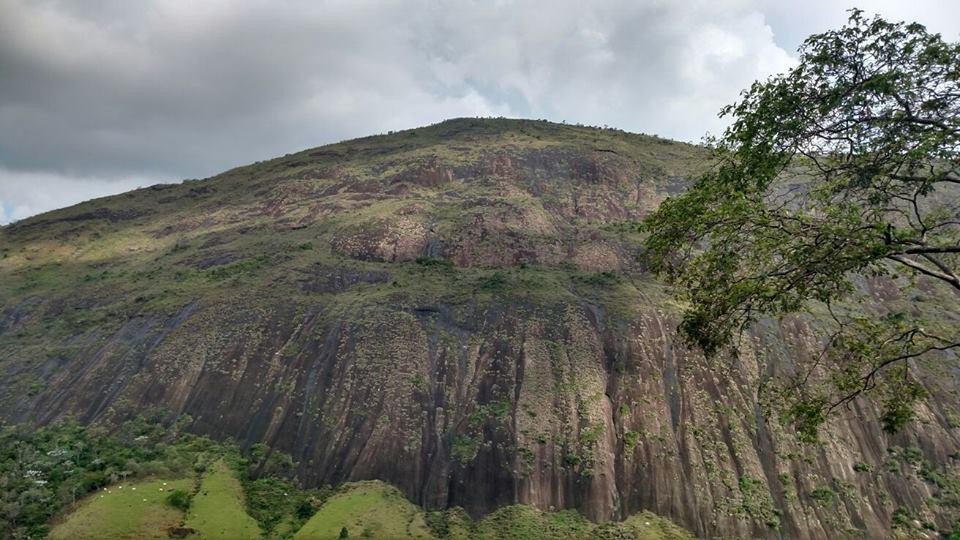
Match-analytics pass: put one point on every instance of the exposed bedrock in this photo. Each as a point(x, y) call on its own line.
point(555, 406)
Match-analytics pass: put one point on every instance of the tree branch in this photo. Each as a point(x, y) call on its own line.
point(951, 278)
point(932, 249)
point(867, 379)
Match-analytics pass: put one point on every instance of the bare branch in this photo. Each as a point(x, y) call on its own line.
point(948, 278)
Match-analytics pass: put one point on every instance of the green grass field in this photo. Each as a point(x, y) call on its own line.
point(217, 509)
point(367, 509)
point(126, 510)
point(139, 510)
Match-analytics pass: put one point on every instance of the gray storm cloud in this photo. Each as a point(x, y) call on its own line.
point(98, 97)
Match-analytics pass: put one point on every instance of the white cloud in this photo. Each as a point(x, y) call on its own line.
point(794, 21)
point(168, 89)
point(23, 194)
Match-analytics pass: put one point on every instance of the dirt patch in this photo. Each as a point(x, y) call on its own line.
point(180, 532)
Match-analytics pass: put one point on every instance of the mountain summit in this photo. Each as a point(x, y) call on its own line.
point(460, 310)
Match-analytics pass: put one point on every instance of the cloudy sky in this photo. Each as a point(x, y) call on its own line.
point(102, 96)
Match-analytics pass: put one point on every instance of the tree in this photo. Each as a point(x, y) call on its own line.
point(844, 169)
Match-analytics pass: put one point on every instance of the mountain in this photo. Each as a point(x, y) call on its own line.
point(462, 311)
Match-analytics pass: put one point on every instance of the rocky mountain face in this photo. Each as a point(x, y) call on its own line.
point(461, 310)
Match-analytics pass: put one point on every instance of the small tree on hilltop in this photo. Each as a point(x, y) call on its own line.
point(844, 169)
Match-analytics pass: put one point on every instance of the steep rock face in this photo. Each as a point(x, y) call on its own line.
point(459, 310)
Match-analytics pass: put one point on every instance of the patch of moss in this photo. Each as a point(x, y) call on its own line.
point(755, 501)
point(464, 449)
point(630, 441)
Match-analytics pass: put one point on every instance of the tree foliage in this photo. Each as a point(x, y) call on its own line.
point(179, 499)
point(43, 470)
point(845, 169)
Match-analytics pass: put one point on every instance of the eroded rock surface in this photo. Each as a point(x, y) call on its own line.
point(459, 310)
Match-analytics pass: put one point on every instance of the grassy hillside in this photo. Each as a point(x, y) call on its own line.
point(131, 510)
point(366, 510)
point(217, 509)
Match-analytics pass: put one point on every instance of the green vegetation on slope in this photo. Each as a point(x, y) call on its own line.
point(135, 474)
point(372, 509)
point(126, 510)
point(273, 494)
point(217, 509)
point(150, 497)
point(520, 522)
point(367, 510)
point(45, 469)
point(643, 526)
point(525, 522)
